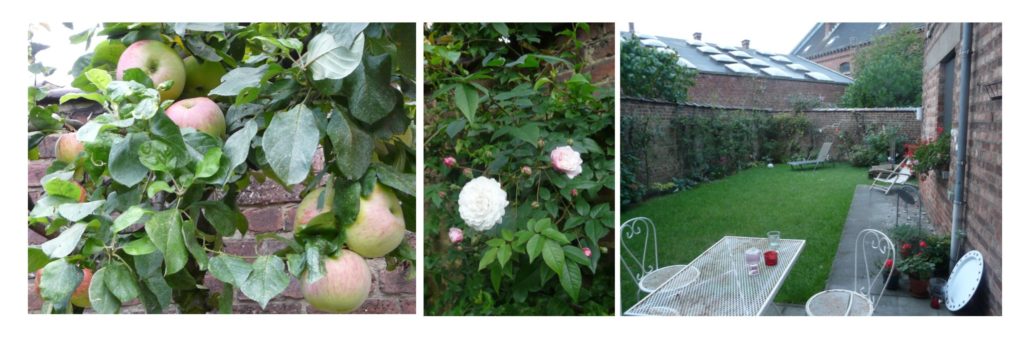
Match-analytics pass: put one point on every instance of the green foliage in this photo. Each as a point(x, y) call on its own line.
point(888, 72)
point(506, 95)
point(652, 74)
point(162, 199)
point(922, 254)
point(933, 155)
point(711, 146)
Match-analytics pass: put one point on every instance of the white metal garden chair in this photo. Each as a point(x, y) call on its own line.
point(886, 180)
point(870, 274)
point(640, 257)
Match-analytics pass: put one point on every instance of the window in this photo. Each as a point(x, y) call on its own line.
point(844, 68)
point(947, 79)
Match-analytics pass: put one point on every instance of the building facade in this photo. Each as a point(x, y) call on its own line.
point(834, 45)
point(982, 220)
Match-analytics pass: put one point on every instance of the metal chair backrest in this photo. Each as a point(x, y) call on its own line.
point(639, 247)
point(873, 250)
point(823, 154)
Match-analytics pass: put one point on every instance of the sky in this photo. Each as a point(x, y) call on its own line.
point(61, 54)
point(771, 35)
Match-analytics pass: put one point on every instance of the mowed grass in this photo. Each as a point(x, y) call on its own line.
point(809, 205)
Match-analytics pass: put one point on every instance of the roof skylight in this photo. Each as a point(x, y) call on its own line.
point(739, 53)
point(818, 76)
point(723, 58)
point(741, 68)
point(798, 67)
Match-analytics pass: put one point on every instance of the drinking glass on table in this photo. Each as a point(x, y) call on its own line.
point(753, 258)
point(771, 255)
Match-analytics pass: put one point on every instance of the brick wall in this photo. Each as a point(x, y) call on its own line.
point(760, 91)
point(269, 209)
point(983, 176)
point(598, 53)
point(659, 118)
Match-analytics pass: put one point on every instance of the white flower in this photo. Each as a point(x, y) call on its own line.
point(567, 160)
point(482, 203)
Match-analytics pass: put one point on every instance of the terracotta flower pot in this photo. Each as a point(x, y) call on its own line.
point(918, 287)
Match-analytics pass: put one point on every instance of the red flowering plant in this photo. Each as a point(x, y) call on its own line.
point(932, 153)
point(921, 254)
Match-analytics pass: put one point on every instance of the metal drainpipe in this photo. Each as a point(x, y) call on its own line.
point(963, 104)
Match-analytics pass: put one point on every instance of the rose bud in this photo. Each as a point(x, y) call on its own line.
point(586, 251)
point(449, 162)
point(455, 235)
point(527, 170)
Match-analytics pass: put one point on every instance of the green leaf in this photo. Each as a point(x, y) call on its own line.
point(404, 37)
point(314, 265)
point(157, 156)
point(138, 247)
point(36, 259)
point(77, 211)
point(238, 79)
point(230, 269)
point(289, 143)
point(267, 280)
point(571, 280)
point(65, 243)
point(128, 218)
point(553, 256)
point(210, 163)
point(124, 165)
point(99, 78)
point(201, 49)
point(488, 258)
point(101, 298)
point(236, 149)
point(529, 133)
point(504, 254)
point(368, 87)
point(583, 207)
point(146, 108)
point(535, 246)
point(225, 304)
point(91, 96)
point(188, 235)
point(555, 235)
point(575, 254)
point(62, 188)
point(574, 221)
point(220, 216)
point(156, 187)
point(353, 148)
point(467, 100)
point(594, 229)
point(164, 230)
point(328, 58)
point(401, 182)
point(501, 28)
point(59, 281)
point(345, 33)
point(120, 281)
point(296, 263)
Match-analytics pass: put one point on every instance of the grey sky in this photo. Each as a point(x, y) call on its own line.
point(770, 35)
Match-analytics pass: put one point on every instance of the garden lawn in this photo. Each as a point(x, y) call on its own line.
point(809, 205)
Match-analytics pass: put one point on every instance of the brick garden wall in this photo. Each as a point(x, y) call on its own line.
point(760, 91)
point(658, 117)
point(269, 209)
point(983, 177)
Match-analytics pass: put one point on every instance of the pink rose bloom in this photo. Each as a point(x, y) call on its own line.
point(586, 251)
point(449, 161)
point(527, 170)
point(455, 235)
point(567, 160)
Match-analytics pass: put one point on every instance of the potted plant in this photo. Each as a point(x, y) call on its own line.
point(919, 269)
point(932, 155)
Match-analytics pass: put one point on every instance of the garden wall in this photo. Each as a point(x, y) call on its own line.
point(983, 177)
point(761, 91)
point(269, 209)
point(656, 119)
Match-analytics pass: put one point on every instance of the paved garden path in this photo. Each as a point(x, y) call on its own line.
point(873, 209)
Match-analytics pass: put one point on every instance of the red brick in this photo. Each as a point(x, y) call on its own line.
point(601, 70)
point(275, 306)
point(35, 239)
point(379, 306)
point(395, 282)
point(36, 171)
point(268, 192)
point(408, 306)
point(243, 247)
point(35, 302)
point(268, 219)
point(47, 147)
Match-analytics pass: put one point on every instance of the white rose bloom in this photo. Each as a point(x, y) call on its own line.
point(566, 160)
point(482, 203)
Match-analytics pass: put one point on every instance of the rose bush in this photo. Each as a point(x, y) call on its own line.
point(145, 202)
point(520, 172)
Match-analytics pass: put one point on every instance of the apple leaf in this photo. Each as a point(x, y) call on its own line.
point(77, 211)
point(62, 188)
point(210, 163)
point(236, 149)
point(345, 33)
point(232, 83)
point(124, 165)
point(65, 243)
point(138, 247)
point(59, 281)
point(201, 49)
point(329, 58)
point(401, 182)
point(164, 230)
point(120, 281)
point(267, 280)
point(289, 143)
point(101, 298)
point(37, 259)
point(368, 88)
point(353, 148)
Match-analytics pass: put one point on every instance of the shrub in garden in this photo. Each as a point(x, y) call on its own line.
point(161, 178)
point(520, 173)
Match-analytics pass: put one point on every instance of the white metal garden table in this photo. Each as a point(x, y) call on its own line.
point(723, 287)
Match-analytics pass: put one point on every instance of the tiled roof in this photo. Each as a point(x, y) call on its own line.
point(827, 38)
point(708, 57)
